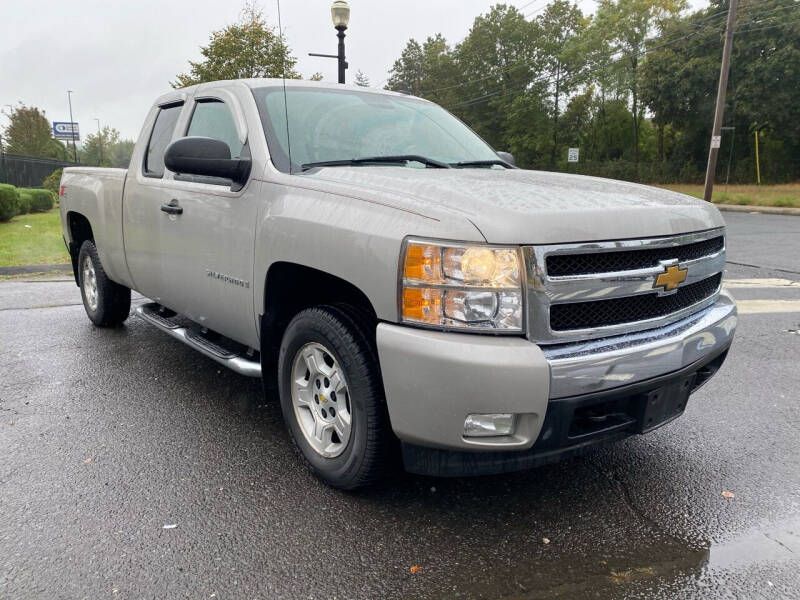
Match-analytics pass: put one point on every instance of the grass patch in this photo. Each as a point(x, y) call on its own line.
point(785, 195)
point(39, 244)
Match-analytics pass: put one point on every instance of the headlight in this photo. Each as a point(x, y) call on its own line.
point(461, 286)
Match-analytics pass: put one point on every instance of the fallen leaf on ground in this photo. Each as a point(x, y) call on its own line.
point(88, 460)
point(415, 569)
point(545, 540)
point(170, 526)
point(727, 494)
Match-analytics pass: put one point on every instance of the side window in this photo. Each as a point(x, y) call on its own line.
point(212, 118)
point(160, 139)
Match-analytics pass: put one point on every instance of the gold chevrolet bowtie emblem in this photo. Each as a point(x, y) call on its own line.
point(323, 399)
point(671, 278)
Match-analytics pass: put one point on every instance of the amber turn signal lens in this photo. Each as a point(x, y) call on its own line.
point(423, 305)
point(422, 262)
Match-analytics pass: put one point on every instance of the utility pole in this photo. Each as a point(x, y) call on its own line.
point(72, 128)
point(99, 140)
point(720, 108)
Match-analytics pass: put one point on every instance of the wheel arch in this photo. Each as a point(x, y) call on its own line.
point(80, 230)
point(291, 287)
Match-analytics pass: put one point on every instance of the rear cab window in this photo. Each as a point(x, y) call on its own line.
point(160, 138)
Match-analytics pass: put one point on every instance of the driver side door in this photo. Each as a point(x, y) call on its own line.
point(207, 249)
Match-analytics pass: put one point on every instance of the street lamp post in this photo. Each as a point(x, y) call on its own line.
point(340, 15)
point(72, 127)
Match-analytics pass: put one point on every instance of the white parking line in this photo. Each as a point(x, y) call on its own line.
point(751, 307)
point(759, 283)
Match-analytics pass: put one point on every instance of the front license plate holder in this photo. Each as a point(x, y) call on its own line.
point(662, 405)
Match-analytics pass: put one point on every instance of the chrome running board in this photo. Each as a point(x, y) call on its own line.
point(242, 362)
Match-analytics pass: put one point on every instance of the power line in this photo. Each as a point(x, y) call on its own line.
point(769, 26)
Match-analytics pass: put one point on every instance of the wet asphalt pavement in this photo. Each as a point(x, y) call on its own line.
point(133, 467)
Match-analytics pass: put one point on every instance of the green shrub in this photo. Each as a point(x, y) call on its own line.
point(25, 202)
point(53, 181)
point(9, 202)
point(41, 200)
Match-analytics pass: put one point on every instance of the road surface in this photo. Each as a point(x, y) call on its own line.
point(133, 467)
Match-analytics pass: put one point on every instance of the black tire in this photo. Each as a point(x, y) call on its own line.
point(368, 452)
point(113, 301)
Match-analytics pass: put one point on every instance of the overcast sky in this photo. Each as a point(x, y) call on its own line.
point(117, 57)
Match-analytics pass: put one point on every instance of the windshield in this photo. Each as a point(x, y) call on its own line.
point(338, 125)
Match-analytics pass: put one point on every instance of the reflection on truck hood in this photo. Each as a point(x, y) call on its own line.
point(518, 206)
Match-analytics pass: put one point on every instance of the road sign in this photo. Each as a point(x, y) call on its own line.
point(716, 140)
point(64, 130)
point(572, 154)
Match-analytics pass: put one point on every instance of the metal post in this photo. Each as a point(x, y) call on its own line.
point(72, 128)
point(720, 108)
point(99, 141)
point(340, 56)
point(758, 166)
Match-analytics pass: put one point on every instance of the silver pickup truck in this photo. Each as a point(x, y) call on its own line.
point(405, 289)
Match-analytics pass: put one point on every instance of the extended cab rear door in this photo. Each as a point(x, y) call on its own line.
point(144, 194)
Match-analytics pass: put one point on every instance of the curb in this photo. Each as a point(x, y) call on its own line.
point(27, 269)
point(769, 210)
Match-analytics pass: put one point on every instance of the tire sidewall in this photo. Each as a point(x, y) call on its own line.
point(309, 327)
point(88, 252)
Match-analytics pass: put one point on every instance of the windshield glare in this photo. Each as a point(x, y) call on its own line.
point(327, 125)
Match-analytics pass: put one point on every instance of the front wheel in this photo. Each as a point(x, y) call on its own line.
point(332, 397)
point(107, 303)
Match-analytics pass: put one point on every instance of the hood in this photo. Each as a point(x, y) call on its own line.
point(526, 207)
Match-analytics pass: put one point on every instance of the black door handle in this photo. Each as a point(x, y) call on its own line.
point(172, 208)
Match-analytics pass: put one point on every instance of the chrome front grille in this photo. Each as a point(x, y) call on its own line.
point(597, 289)
point(560, 265)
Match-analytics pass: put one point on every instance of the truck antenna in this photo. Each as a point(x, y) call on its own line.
point(285, 102)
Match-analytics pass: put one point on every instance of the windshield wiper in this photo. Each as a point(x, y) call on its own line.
point(483, 163)
point(399, 158)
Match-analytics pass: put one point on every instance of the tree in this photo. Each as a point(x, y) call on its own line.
point(498, 61)
point(361, 80)
point(96, 149)
point(627, 26)
point(407, 72)
point(426, 70)
point(248, 48)
point(560, 26)
point(120, 153)
point(30, 133)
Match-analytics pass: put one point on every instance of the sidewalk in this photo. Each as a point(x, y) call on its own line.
point(770, 210)
point(31, 269)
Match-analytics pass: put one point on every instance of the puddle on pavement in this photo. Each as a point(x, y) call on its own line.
point(601, 576)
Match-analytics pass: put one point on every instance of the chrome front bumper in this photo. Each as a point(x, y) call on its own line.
point(433, 380)
point(597, 365)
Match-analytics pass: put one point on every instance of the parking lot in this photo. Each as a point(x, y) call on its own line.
point(133, 467)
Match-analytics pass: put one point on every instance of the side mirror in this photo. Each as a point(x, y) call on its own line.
point(506, 156)
point(196, 155)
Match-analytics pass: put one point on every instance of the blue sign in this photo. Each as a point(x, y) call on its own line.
point(64, 130)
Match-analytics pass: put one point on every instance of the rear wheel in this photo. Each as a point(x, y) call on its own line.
point(332, 397)
point(107, 303)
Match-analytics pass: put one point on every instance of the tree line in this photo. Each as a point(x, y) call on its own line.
point(633, 86)
point(30, 133)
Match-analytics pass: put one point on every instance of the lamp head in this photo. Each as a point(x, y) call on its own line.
point(340, 14)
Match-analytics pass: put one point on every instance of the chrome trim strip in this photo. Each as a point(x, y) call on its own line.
point(544, 291)
point(593, 366)
point(240, 364)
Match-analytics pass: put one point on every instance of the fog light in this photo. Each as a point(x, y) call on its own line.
point(489, 425)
